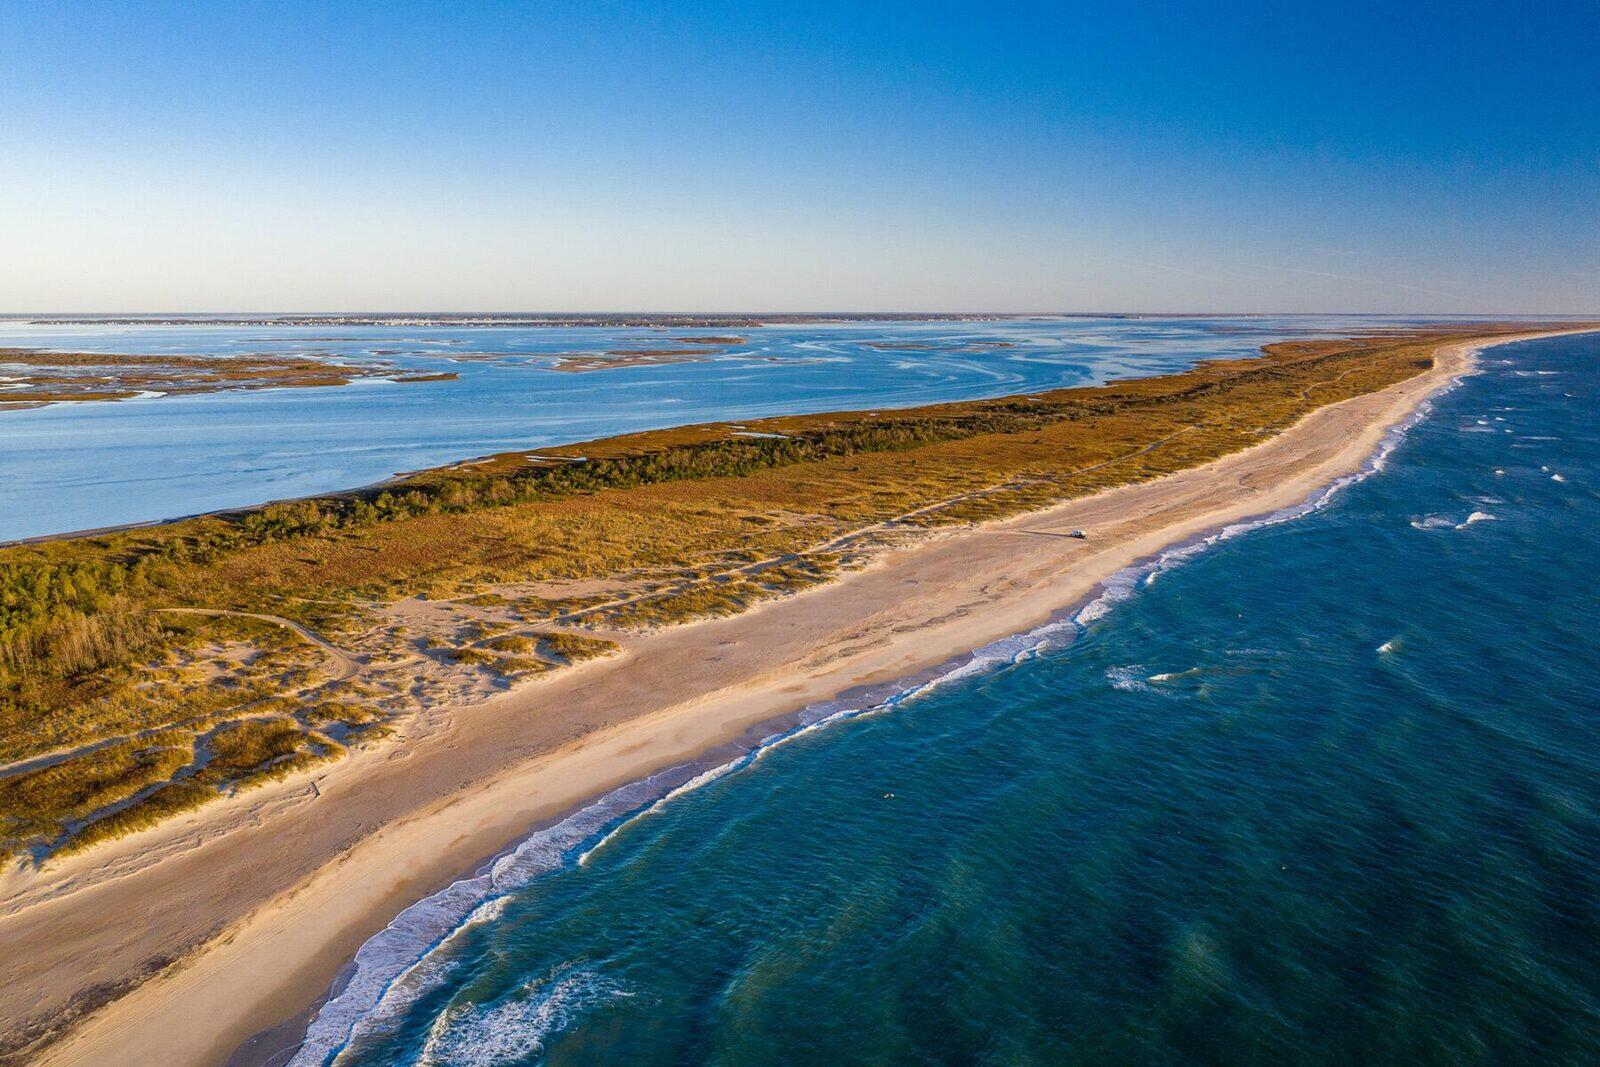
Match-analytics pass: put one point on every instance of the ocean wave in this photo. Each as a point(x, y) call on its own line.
point(1173, 676)
point(1132, 679)
point(1129, 679)
point(515, 1029)
point(1444, 522)
point(409, 957)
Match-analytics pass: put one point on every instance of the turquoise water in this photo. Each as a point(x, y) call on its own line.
point(1326, 792)
point(81, 466)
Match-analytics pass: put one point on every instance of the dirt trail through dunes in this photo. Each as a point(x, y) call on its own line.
point(345, 665)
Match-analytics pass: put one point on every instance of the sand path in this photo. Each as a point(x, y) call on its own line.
point(344, 664)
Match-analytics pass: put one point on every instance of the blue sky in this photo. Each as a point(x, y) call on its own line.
point(781, 156)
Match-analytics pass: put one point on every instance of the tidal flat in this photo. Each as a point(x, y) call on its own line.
point(33, 377)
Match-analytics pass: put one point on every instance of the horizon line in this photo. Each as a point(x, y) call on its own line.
point(92, 316)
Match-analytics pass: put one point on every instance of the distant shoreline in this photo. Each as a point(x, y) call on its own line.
point(687, 320)
point(613, 320)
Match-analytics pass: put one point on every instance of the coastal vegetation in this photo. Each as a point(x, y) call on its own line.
point(146, 672)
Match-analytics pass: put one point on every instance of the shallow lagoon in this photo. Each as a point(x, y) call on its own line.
point(86, 465)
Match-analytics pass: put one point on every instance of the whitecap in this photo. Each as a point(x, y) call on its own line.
point(1128, 679)
point(516, 1028)
point(1431, 522)
point(1476, 516)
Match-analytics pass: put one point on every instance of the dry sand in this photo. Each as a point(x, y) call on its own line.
point(279, 888)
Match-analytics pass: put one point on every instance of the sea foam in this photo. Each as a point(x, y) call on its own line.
point(515, 1029)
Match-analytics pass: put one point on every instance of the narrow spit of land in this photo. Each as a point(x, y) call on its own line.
point(446, 589)
point(34, 376)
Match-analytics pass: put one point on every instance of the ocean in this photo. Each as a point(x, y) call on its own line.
point(80, 466)
point(1323, 790)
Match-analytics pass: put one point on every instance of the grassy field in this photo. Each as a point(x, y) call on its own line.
point(116, 711)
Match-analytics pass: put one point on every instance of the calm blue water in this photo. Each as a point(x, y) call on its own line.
point(1325, 793)
point(84, 465)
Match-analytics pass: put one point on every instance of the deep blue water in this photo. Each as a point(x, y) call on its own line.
point(79, 466)
point(1325, 793)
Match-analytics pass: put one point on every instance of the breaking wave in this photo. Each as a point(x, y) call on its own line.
point(515, 1029)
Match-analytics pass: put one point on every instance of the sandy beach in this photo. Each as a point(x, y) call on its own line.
point(245, 912)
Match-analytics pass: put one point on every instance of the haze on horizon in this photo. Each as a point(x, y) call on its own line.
point(335, 157)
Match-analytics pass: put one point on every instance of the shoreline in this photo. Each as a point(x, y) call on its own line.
point(366, 987)
point(274, 963)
